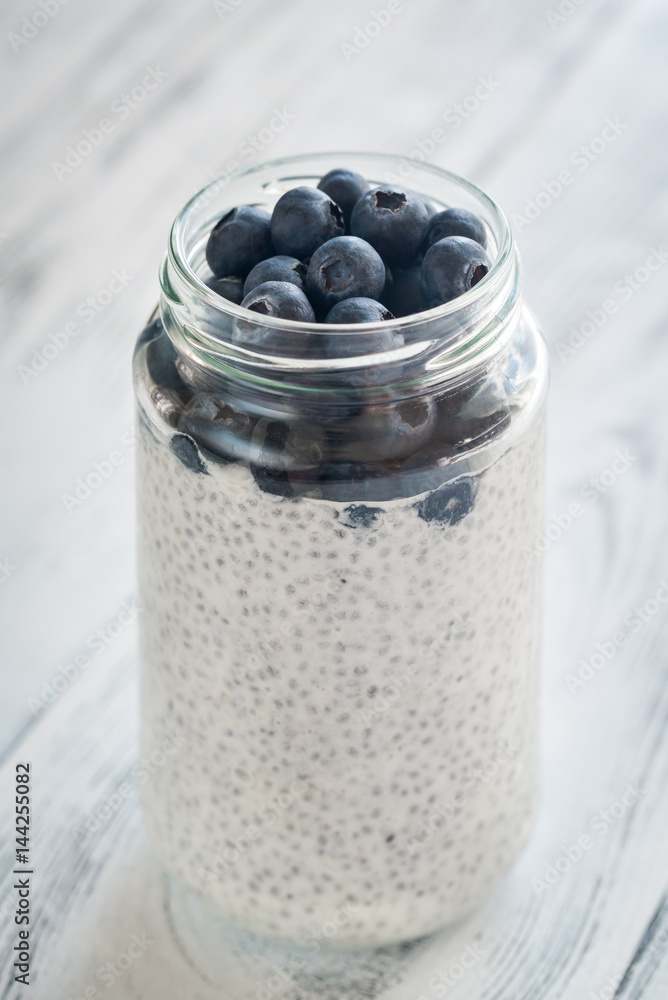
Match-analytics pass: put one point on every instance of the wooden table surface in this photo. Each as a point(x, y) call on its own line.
point(556, 107)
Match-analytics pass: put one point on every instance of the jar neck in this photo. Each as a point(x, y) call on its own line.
point(448, 345)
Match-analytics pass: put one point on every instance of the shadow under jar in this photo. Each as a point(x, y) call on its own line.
point(341, 625)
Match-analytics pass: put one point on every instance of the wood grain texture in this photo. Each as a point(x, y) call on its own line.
point(551, 91)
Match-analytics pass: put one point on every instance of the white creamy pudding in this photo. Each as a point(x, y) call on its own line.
point(357, 688)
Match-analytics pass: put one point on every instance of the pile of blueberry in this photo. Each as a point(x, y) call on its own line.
point(341, 253)
point(368, 454)
point(346, 253)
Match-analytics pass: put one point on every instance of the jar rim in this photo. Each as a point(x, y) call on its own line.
point(178, 258)
point(443, 344)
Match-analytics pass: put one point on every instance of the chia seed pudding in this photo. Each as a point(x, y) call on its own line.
point(343, 630)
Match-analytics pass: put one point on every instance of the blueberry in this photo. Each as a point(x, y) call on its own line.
point(474, 413)
point(231, 288)
point(359, 481)
point(359, 515)
point(216, 426)
point(162, 363)
point(194, 377)
point(358, 310)
point(346, 481)
point(287, 453)
point(150, 332)
point(394, 222)
point(168, 404)
point(279, 268)
point(385, 431)
point(431, 209)
point(239, 241)
point(280, 299)
point(306, 445)
point(386, 293)
point(270, 472)
point(451, 267)
point(455, 222)
point(404, 296)
point(345, 187)
point(326, 409)
point(344, 268)
point(450, 503)
point(354, 345)
point(303, 219)
point(186, 451)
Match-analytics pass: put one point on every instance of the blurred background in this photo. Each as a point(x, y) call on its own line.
point(114, 114)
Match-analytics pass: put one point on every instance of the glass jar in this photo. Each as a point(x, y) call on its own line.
point(341, 595)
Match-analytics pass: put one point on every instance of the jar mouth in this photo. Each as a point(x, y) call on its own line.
point(459, 333)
